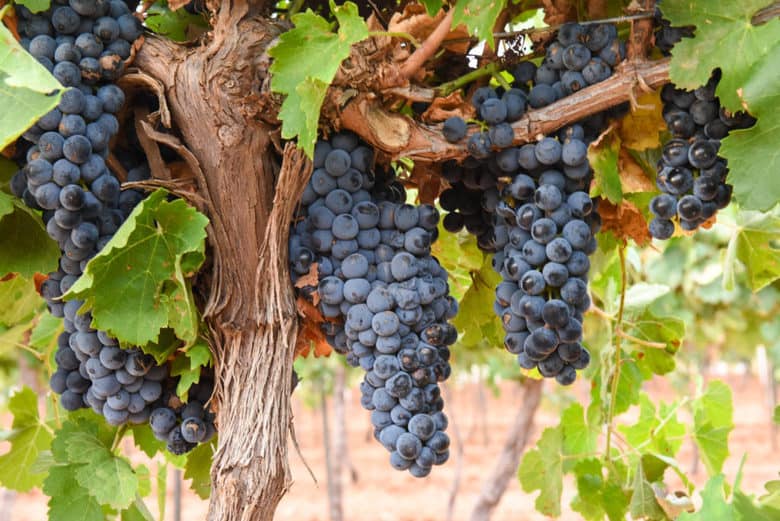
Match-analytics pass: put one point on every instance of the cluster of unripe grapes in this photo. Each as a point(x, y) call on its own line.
point(384, 297)
point(84, 44)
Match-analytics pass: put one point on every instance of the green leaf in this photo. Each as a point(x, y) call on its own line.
point(596, 496)
point(20, 300)
point(750, 83)
point(35, 6)
point(776, 415)
point(188, 365)
point(667, 330)
point(306, 60)
point(772, 496)
point(198, 468)
point(714, 506)
point(137, 512)
point(603, 157)
point(144, 439)
point(84, 445)
point(176, 25)
point(727, 25)
point(479, 16)
point(661, 433)
point(629, 385)
point(578, 437)
point(754, 244)
point(136, 285)
point(25, 247)
point(27, 90)
point(761, 96)
point(432, 6)
point(162, 488)
point(28, 439)
point(542, 470)
point(747, 510)
point(643, 503)
point(712, 423)
point(70, 501)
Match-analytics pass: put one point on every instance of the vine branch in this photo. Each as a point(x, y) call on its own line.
point(399, 136)
point(429, 46)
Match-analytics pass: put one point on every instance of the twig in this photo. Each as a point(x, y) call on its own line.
point(399, 136)
point(618, 349)
point(766, 14)
point(429, 47)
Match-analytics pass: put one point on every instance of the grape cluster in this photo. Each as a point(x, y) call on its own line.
point(377, 275)
point(544, 232)
point(81, 42)
point(65, 176)
point(690, 174)
point(183, 426)
point(580, 56)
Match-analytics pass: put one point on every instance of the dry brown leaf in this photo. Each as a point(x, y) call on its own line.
point(625, 221)
point(38, 280)
point(310, 334)
point(632, 176)
point(426, 177)
point(310, 279)
point(639, 130)
point(10, 21)
point(447, 107)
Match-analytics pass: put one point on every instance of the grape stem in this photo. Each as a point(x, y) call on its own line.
point(618, 349)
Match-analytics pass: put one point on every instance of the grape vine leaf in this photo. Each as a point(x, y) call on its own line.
point(726, 25)
point(144, 439)
point(198, 468)
point(712, 423)
point(776, 415)
point(137, 284)
point(432, 6)
point(749, 83)
point(597, 496)
point(137, 512)
point(306, 60)
point(176, 25)
point(19, 300)
point(35, 6)
point(603, 157)
point(578, 436)
point(479, 16)
point(661, 433)
point(29, 437)
point(27, 90)
point(642, 294)
point(714, 505)
point(25, 247)
point(648, 327)
point(69, 501)
point(542, 470)
point(187, 366)
point(643, 503)
point(747, 510)
point(754, 244)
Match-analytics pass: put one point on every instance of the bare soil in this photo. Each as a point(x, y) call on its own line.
point(382, 494)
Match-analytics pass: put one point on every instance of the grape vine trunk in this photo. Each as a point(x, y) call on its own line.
point(249, 198)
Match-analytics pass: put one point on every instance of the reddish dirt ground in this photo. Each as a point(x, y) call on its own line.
point(381, 494)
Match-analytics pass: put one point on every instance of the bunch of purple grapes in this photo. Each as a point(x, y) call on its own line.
point(385, 297)
point(84, 44)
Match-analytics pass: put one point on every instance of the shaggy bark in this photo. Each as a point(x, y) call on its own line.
point(212, 92)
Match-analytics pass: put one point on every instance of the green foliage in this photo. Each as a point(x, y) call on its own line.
point(306, 60)
point(188, 366)
point(27, 90)
point(25, 247)
point(643, 503)
point(713, 422)
point(479, 16)
point(432, 6)
point(176, 25)
point(603, 157)
point(36, 6)
point(147, 262)
point(748, 83)
point(19, 301)
point(198, 468)
point(754, 244)
point(542, 469)
point(29, 437)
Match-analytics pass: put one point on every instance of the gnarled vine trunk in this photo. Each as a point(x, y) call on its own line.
point(212, 92)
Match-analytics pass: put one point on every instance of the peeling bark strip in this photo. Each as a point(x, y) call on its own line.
point(399, 136)
point(509, 459)
point(213, 96)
